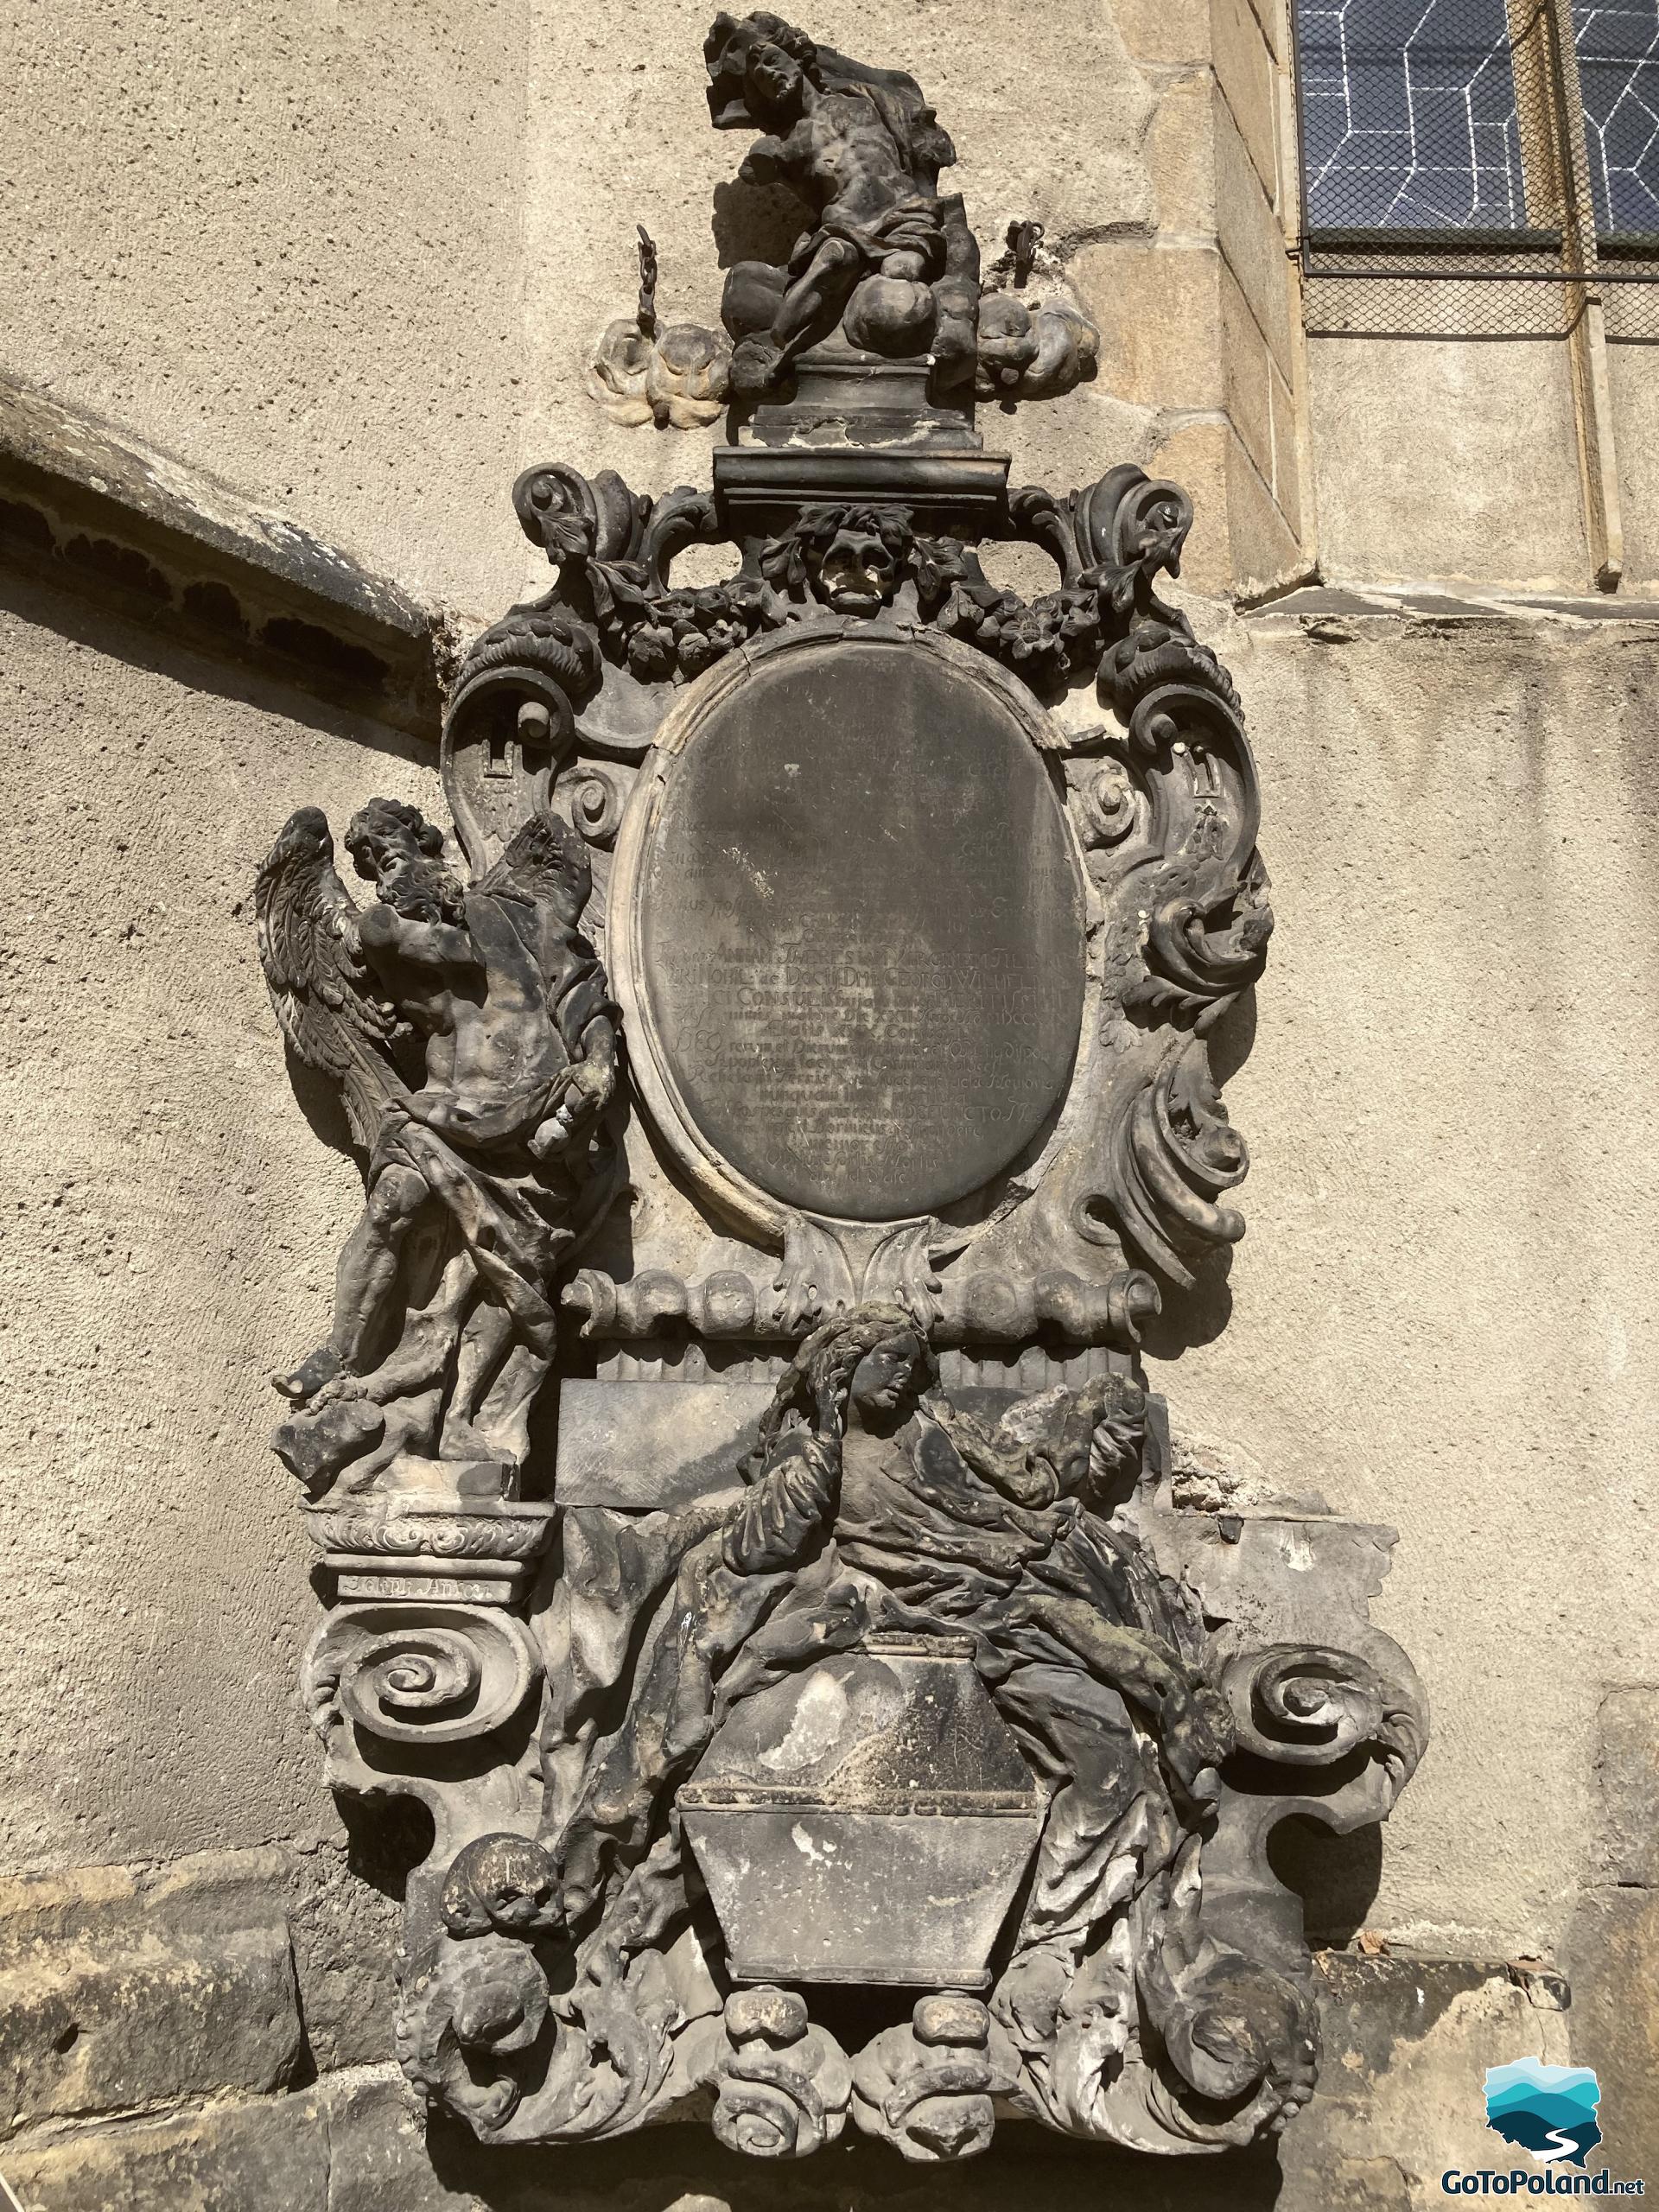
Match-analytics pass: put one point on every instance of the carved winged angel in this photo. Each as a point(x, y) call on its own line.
point(471, 1034)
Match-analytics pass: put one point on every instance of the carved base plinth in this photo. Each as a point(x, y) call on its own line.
point(837, 391)
point(966, 1733)
point(435, 1549)
point(765, 488)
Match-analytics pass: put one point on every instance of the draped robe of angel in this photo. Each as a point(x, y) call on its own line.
point(472, 1036)
point(874, 1503)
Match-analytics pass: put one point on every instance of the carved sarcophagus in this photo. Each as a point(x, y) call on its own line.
point(866, 1821)
point(797, 1066)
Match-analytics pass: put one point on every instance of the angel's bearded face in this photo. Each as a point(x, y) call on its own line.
point(396, 849)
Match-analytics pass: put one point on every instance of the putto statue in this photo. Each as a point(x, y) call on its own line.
point(887, 269)
point(480, 1165)
point(889, 259)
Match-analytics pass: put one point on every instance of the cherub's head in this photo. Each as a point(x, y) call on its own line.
point(860, 569)
point(854, 554)
point(394, 847)
point(759, 70)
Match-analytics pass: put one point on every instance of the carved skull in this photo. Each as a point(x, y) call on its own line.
point(860, 572)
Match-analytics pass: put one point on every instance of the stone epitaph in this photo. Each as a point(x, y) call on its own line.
point(790, 1085)
point(860, 937)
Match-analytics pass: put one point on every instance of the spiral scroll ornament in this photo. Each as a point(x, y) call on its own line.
point(1309, 1705)
point(783, 2087)
point(413, 1675)
point(593, 796)
point(468, 2032)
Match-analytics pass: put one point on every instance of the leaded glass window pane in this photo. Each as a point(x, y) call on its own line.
point(1409, 115)
point(1619, 73)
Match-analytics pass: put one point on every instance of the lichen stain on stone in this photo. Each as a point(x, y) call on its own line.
point(818, 1853)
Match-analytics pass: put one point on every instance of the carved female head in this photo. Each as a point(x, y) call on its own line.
point(875, 1358)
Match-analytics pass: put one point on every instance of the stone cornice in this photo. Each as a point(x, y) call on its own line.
point(88, 505)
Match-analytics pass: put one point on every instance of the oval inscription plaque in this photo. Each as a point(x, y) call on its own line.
point(862, 929)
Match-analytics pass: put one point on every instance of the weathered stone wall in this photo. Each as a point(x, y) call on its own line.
point(283, 242)
point(1440, 457)
point(172, 1218)
point(1442, 1313)
point(1635, 393)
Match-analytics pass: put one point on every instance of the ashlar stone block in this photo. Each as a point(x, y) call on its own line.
point(123, 1991)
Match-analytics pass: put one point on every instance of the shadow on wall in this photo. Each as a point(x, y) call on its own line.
point(386, 1839)
point(111, 628)
point(1337, 1877)
point(684, 2166)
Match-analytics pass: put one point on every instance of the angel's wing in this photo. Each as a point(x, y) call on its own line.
point(320, 984)
point(547, 863)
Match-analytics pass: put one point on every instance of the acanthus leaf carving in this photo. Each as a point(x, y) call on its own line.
point(1172, 1153)
point(468, 2031)
point(814, 1280)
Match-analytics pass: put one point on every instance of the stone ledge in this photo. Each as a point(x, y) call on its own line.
point(86, 503)
point(1329, 611)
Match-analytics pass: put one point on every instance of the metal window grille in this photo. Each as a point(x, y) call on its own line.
point(1478, 168)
